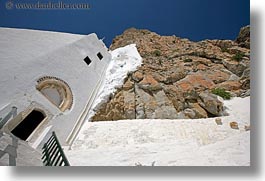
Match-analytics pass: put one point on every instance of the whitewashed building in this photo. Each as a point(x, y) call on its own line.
point(50, 80)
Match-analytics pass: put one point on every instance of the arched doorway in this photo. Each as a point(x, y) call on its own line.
point(28, 125)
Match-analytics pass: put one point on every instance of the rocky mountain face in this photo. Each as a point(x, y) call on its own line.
point(177, 77)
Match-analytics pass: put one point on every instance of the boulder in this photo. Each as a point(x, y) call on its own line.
point(245, 94)
point(233, 77)
point(218, 76)
point(197, 81)
point(165, 112)
point(239, 50)
point(181, 115)
point(246, 74)
point(140, 111)
point(246, 84)
point(190, 113)
point(234, 125)
point(236, 67)
point(149, 83)
point(174, 84)
point(128, 85)
point(229, 85)
point(158, 77)
point(137, 76)
point(175, 76)
point(213, 104)
point(223, 44)
point(199, 111)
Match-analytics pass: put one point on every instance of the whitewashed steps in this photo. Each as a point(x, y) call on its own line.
point(161, 142)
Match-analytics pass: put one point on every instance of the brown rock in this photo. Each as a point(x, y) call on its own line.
point(229, 85)
point(174, 75)
point(113, 110)
point(129, 105)
point(200, 112)
point(218, 76)
point(195, 81)
point(202, 67)
point(223, 44)
point(137, 76)
point(149, 83)
point(238, 50)
point(128, 85)
point(234, 125)
point(158, 77)
point(166, 81)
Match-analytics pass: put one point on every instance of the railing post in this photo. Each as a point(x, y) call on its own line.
point(53, 152)
point(61, 150)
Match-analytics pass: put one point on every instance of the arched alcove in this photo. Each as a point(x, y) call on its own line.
point(56, 91)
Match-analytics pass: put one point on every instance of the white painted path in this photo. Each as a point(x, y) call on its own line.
point(166, 142)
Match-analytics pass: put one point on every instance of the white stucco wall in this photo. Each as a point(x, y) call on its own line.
point(24, 59)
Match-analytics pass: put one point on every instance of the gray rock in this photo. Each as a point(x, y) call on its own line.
point(246, 74)
point(243, 38)
point(181, 115)
point(140, 111)
point(129, 104)
point(235, 67)
point(166, 112)
point(175, 76)
point(190, 113)
point(233, 77)
point(211, 103)
point(245, 94)
point(246, 84)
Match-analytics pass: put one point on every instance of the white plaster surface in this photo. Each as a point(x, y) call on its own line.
point(123, 61)
point(166, 142)
point(24, 155)
point(27, 55)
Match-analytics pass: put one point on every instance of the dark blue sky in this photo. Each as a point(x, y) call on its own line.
point(193, 19)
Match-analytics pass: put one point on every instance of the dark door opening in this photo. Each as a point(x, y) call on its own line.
point(28, 125)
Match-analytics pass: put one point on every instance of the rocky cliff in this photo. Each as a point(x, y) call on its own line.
point(178, 77)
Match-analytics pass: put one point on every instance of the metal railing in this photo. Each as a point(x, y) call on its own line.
point(53, 154)
point(12, 113)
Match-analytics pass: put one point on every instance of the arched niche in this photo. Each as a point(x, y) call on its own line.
point(56, 91)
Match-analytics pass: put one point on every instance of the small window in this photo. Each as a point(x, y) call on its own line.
point(87, 60)
point(100, 56)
